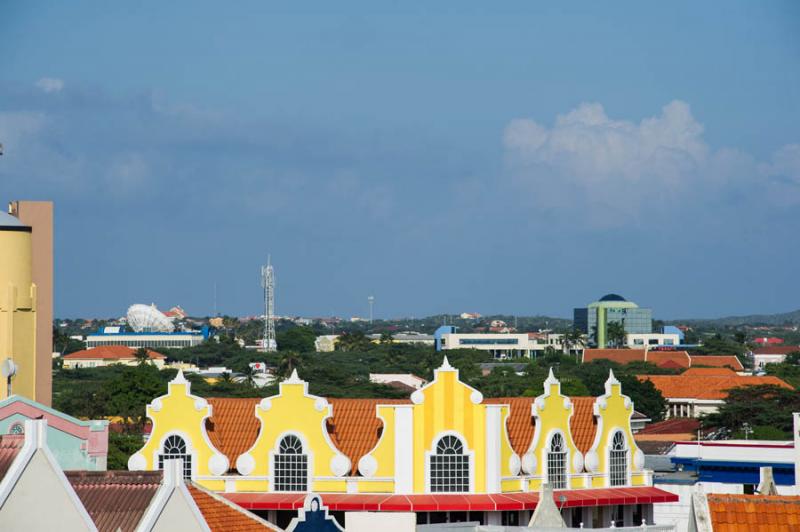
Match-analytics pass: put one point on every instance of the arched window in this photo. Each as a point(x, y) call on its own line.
point(17, 428)
point(557, 462)
point(449, 466)
point(291, 465)
point(618, 460)
point(173, 449)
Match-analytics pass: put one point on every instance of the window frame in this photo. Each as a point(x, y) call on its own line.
point(275, 451)
point(190, 452)
point(467, 452)
point(627, 454)
point(567, 458)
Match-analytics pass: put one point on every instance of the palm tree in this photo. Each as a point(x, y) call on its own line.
point(572, 338)
point(142, 356)
point(290, 361)
point(249, 376)
point(615, 331)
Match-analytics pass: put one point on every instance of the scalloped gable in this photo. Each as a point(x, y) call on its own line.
point(179, 412)
point(294, 411)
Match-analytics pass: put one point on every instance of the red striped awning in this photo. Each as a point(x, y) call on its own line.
point(441, 502)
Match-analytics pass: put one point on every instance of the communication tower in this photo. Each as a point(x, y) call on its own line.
point(268, 283)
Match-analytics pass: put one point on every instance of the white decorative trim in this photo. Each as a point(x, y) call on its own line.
point(200, 403)
point(417, 397)
point(567, 403)
point(306, 451)
point(340, 465)
point(245, 464)
point(577, 461)
point(592, 461)
point(265, 404)
point(567, 455)
point(156, 405)
point(638, 459)
point(137, 462)
point(446, 365)
point(190, 449)
point(492, 448)
point(514, 464)
point(320, 403)
point(367, 465)
point(404, 449)
point(529, 463)
point(476, 397)
point(218, 464)
point(294, 378)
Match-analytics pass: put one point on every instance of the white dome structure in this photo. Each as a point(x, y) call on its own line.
point(147, 318)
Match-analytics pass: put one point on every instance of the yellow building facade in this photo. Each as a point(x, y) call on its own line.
point(17, 307)
point(445, 439)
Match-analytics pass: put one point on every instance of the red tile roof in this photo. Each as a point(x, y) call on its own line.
point(355, 427)
point(718, 361)
point(222, 515)
point(620, 356)
point(754, 513)
point(10, 446)
point(521, 423)
point(672, 426)
point(110, 352)
point(705, 386)
point(669, 358)
point(233, 426)
point(115, 500)
point(709, 371)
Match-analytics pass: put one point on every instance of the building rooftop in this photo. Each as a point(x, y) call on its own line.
point(705, 386)
point(222, 515)
point(776, 350)
point(612, 297)
point(7, 220)
point(111, 352)
point(10, 445)
point(754, 513)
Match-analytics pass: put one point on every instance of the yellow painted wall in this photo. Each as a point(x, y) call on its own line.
point(18, 312)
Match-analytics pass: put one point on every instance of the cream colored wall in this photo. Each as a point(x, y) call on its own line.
point(40, 501)
point(383, 521)
point(18, 312)
point(178, 515)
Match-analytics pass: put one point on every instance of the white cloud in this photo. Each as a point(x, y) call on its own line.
point(590, 162)
point(50, 84)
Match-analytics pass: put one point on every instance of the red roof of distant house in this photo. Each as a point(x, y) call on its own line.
point(664, 359)
point(620, 356)
point(776, 350)
point(110, 352)
point(718, 361)
point(768, 340)
point(115, 500)
point(672, 426)
point(705, 386)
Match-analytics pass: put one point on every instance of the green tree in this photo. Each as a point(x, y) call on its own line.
point(386, 338)
point(353, 341)
point(142, 356)
point(615, 333)
point(299, 339)
point(120, 447)
point(759, 406)
point(290, 361)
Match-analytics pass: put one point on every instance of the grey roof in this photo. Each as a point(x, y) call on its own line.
point(6, 220)
point(612, 297)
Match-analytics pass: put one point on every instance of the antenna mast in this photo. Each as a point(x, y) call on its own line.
point(268, 283)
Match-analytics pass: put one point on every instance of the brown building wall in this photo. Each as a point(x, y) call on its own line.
point(39, 215)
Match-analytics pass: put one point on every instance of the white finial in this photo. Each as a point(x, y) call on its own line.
point(612, 380)
point(446, 365)
point(294, 378)
point(179, 378)
point(551, 379)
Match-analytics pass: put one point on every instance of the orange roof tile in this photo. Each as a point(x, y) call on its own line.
point(223, 515)
point(754, 513)
point(233, 426)
point(705, 386)
point(709, 371)
point(521, 423)
point(355, 427)
point(669, 358)
point(621, 356)
point(776, 350)
point(10, 446)
point(110, 352)
point(718, 361)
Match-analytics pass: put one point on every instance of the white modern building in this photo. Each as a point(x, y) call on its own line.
point(501, 345)
point(650, 340)
point(154, 340)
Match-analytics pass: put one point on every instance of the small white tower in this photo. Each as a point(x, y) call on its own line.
point(268, 283)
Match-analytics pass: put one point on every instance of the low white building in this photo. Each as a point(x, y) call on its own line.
point(408, 379)
point(648, 340)
point(503, 345)
point(771, 354)
point(325, 343)
point(154, 340)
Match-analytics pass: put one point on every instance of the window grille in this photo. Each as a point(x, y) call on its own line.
point(556, 463)
point(175, 448)
point(291, 465)
point(618, 460)
point(449, 466)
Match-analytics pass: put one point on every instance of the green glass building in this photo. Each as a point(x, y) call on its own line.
point(593, 320)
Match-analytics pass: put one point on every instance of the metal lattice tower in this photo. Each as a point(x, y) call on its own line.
point(268, 283)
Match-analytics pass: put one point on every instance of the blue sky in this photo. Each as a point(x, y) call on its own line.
point(525, 159)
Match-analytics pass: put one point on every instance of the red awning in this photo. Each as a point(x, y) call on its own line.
point(441, 502)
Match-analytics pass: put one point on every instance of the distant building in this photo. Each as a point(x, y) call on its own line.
point(650, 340)
point(325, 343)
point(407, 379)
point(470, 316)
point(120, 336)
point(768, 340)
point(772, 354)
point(697, 391)
point(500, 345)
point(76, 444)
point(109, 355)
point(612, 308)
point(407, 337)
point(663, 359)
